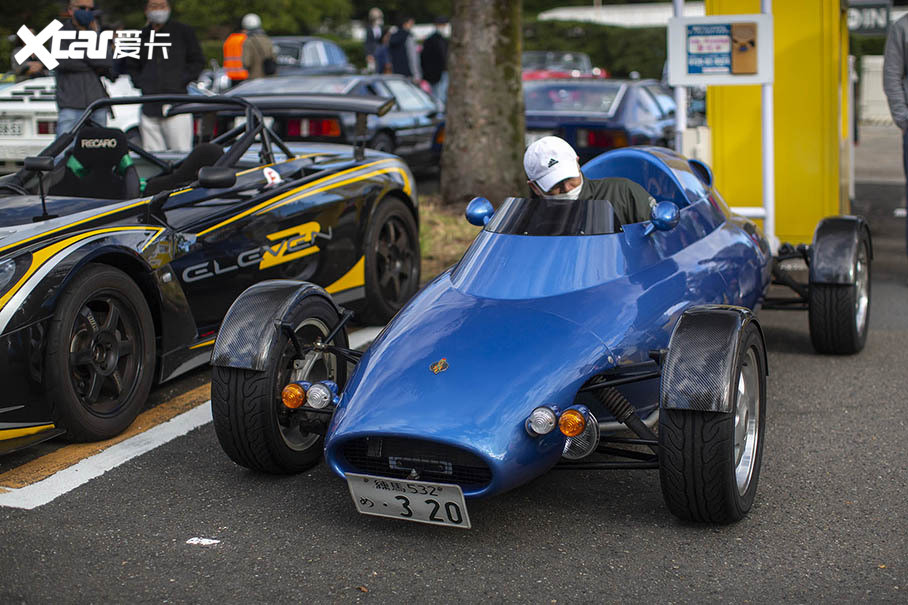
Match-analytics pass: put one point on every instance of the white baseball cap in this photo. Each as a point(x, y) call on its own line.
point(550, 160)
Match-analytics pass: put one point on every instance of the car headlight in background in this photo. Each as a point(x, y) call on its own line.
point(12, 269)
point(541, 421)
point(7, 270)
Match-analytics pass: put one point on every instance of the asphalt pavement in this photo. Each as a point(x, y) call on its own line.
point(829, 522)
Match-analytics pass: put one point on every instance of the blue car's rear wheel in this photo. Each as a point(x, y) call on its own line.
point(710, 461)
point(252, 425)
point(839, 314)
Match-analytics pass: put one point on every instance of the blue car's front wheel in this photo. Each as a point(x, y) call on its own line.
point(253, 426)
point(709, 461)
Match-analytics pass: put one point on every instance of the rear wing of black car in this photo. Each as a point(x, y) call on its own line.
point(268, 104)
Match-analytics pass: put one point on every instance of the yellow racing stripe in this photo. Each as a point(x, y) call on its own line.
point(287, 194)
point(206, 343)
point(70, 225)
point(44, 254)
point(407, 188)
point(353, 278)
point(6, 434)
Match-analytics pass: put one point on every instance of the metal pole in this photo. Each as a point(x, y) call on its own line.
point(680, 94)
point(769, 173)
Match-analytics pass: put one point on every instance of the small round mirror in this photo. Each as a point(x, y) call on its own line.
point(665, 216)
point(479, 211)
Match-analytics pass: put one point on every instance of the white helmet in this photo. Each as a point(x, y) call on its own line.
point(252, 21)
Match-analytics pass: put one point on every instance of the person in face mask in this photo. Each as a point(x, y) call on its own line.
point(160, 72)
point(79, 80)
point(553, 170)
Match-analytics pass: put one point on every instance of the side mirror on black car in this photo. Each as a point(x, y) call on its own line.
point(217, 177)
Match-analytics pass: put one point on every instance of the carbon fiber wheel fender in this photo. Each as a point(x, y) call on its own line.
point(702, 353)
point(252, 324)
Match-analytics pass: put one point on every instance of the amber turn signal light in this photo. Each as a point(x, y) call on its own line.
point(293, 396)
point(572, 423)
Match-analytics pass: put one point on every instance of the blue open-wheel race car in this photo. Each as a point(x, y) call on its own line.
point(557, 329)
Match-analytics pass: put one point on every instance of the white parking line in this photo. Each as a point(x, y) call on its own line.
point(44, 491)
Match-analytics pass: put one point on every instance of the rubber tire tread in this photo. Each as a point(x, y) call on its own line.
point(79, 424)
point(239, 400)
point(696, 455)
point(376, 309)
point(831, 318)
point(693, 449)
point(830, 310)
point(241, 406)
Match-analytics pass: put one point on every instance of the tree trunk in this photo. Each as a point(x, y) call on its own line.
point(484, 125)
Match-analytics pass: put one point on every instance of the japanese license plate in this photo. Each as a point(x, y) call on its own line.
point(532, 136)
point(10, 127)
point(434, 503)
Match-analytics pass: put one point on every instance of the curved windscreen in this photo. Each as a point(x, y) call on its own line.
point(543, 216)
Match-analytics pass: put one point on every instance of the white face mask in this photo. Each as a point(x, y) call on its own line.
point(158, 17)
point(573, 194)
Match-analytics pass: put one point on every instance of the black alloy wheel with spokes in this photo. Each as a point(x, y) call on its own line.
point(100, 354)
point(392, 260)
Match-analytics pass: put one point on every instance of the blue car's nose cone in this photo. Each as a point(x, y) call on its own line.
point(436, 391)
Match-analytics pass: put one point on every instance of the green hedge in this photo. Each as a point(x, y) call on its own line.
point(620, 50)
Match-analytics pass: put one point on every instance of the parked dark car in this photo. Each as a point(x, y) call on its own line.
point(545, 64)
point(412, 129)
point(597, 115)
point(309, 55)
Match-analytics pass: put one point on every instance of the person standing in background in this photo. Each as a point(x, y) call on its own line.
point(79, 80)
point(382, 54)
point(233, 57)
point(258, 51)
point(404, 56)
point(434, 61)
point(895, 85)
point(374, 37)
point(157, 72)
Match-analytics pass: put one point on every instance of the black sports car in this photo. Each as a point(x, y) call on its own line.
point(413, 128)
point(118, 265)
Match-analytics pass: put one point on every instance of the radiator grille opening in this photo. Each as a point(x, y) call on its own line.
point(398, 457)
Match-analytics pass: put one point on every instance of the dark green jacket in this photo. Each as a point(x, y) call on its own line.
point(631, 202)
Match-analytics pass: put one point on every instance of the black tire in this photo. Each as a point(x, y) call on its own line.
point(100, 356)
point(699, 464)
point(839, 314)
point(392, 261)
point(251, 423)
point(382, 142)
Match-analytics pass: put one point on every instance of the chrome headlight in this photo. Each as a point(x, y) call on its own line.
point(13, 269)
point(541, 421)
point(321, 394)
point(7, 271)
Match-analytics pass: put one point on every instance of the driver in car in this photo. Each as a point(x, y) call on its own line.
point(553, 170)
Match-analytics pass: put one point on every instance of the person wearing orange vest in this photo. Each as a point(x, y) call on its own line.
point(233, 57)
